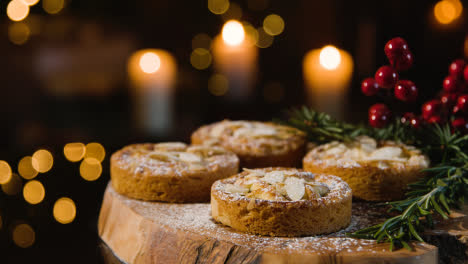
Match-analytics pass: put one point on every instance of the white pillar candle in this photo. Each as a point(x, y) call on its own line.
point(327, 75)
point(152, 74)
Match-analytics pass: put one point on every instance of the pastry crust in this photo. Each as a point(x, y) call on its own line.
point(283, 217)
point(170, 172)
point(257, 144)
point(375, 171)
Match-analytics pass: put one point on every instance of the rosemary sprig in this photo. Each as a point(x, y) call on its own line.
point(444, 187)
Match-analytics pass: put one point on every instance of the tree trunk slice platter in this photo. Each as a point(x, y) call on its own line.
point(150, 232)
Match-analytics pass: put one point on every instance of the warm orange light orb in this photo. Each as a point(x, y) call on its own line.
point(150, 62)
point(42, 160)
point(330, 57)
point(233, 33)
point(446, 11)
point(17, 10)
point(23, 235)
point(64, 210)
point(33, 192)
point(5, 172)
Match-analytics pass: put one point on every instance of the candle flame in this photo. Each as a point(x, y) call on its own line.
point(330, 57)
point(150, 62)
point(233, 33)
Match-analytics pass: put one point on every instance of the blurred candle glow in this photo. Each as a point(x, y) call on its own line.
point(153, 74)
point(235, 57)
point(327, 74)
point(446, 11)
point(17, 10)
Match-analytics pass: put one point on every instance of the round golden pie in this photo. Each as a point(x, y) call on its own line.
point(375, 171)
point(282, 202)
point(257, 144)
point(170, 172)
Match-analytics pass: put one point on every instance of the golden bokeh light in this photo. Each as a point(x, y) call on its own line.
point(17, 10)
point(64, 210)
point(264, 40)
point(251, 34)
point(330, 57)
point(233, 33)
point(13, 186)
point(74, 151)
point(273, 92)
point(23, 235)
point(53, 6)
point(218, 85)
point(200, 58)
point(18, 33)
point(234, 12)
point(201, 40)
point(5, 172)
point(218, 7)
point(150, 62)
point(33, 192)
point(446, 11)
point(257, 5)
point(273, 24)
point(30, 2)
point(42, 160)
point(95, 150)
point(90, 169)
point(26, 168)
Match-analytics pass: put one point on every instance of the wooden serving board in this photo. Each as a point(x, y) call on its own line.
point(150, 232)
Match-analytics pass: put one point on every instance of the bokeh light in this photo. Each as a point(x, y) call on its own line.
point(53, 6)
point(90, 169)
point(257, 5)
point(201, 40)
point(5, 172)
point(74, 151)
point(446, 11)
point(96, 151)
point(234, 12)
point(33, 192)
point(23, 235)
point(64, 210)
point(150, 62)
point(17, 10)
point(330, 57)
point(273, 92)
point(18, 33)
point(233, 33)
point(200, 58)
point(264, 40)
point(218, 7)
point(273, 25)
point(42, 160)
point(218, 84)
point(250, 33)
point(30, 2)
point(26, 169)
point(13, 186)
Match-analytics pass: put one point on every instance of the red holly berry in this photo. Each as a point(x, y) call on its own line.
point(431, 108)
point(405, 119)
point(386, 77)
point(415, 122)
point(406, 90)
point(398, 54)
point(456, 68)
point(435, 120)
point(369, 87)
point(460, 124)
point(462, 103)
point(451, 84)
point(448, 100)
point(379, 115)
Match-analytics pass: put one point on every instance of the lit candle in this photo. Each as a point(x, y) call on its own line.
point(327, 74)
point(152, 75)
point(235, 57)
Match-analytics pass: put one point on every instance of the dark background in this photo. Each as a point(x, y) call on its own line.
point(33, 115)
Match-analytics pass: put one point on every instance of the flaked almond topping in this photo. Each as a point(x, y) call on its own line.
point(236, 189)
point(274, 177)
point(386, 153)
point(295, 188)
point(189, 157)
point(367, 144)
point(163, 156)
point(173, 146)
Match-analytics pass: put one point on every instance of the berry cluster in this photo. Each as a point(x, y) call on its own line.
point(452, 103)
point(451, 106)
point(386, 79)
